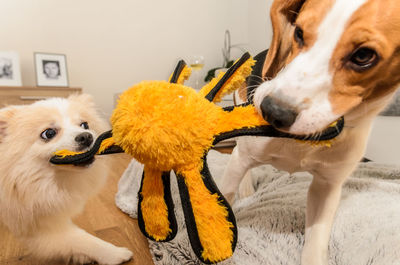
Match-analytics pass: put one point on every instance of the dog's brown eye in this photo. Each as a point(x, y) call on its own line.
point(48, 134)
point(298, 36)
point(85, 125)
point(363, 59)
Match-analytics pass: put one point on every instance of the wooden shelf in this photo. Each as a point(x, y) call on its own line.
point(39, 88)
point(27, 95)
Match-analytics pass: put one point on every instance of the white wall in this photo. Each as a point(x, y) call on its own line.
point(111, 45)
point(259, 25)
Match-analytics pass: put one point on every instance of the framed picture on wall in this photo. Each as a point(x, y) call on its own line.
point(10, 73)
point(51, 69)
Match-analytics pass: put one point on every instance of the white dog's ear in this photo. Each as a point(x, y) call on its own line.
point(5, 116)
point(84, 99)
point(283, 16)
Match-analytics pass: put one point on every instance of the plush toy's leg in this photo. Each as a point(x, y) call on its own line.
point(155, 206)
point(210, 222)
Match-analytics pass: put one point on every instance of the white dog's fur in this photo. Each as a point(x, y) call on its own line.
point(319, 82)
point(38, 199)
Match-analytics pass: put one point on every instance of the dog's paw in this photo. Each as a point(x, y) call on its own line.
point(114, 256)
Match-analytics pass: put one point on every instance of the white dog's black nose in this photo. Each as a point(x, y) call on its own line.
point(84, 139)
point(276, 113)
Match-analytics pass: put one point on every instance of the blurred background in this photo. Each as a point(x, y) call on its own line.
point(111, 45)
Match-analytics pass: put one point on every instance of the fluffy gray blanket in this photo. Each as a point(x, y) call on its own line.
point(271, 221)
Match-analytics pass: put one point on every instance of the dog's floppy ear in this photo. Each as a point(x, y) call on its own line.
point(283, 16)
point(5, 117)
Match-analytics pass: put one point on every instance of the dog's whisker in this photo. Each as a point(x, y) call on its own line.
point(253, 86)
point(258, 77)
point(337, 129)
point(319, 136)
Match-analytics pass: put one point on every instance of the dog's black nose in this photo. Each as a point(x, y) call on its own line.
point(84, 139)
point(277, 114)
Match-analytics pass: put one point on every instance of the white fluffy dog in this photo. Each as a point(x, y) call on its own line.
point(38, 199)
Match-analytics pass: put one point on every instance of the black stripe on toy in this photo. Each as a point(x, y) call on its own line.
point(190, 221)
point(230, 108)
point(114, 149)
point(177, 72)
point(270, 131)
point(84, 157)
point(212, 187)
point(140, 215)
point(170, 206)
point(211, 95)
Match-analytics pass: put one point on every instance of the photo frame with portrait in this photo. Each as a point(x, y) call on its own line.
point(10, 71)
point(51, 69)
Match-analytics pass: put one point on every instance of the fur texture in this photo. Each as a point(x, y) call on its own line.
point(327, 59)
point(38, 199)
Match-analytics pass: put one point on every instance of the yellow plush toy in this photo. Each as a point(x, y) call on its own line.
point(168, 126)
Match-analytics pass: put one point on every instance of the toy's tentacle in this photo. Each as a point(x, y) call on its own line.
point(209, 219)
point(181, 73)
point(178, 69)
point(240, 117)
point(185, 74)
point(244, 120)
point(227, 82)
point(268, 130)
point(102, 145)
point(155, 206)
point(108, 146)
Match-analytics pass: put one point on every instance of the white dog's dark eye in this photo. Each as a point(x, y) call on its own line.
point(298, 36)
point(85, 125)
point(48, 134)
point(363, 59)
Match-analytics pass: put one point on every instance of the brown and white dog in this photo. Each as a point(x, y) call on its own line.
point(327, 59)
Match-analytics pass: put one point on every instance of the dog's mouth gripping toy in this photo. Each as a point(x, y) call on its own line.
point(168, 126)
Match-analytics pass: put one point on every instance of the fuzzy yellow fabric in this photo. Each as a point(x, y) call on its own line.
point(240, 117)
point(233, 83)
point(63, 153)
point(183, 76)
point(208, 87)
point(213, 228)
point(155, 130)
point(106, 143)
point(151, 123)
point(169, 127)
point(154, 209)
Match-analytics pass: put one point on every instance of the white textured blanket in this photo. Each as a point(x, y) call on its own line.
point(271, 221)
